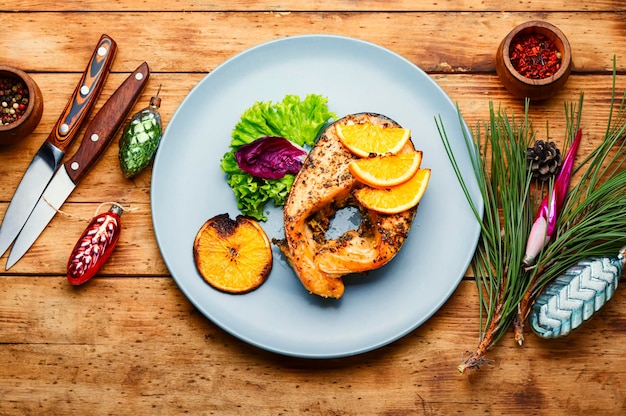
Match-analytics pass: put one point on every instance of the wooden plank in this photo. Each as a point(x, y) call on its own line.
point(129, 342)
point(137, 346)
point(472, 93)
point(137, 252)
point(319, 5)
point(437, 42)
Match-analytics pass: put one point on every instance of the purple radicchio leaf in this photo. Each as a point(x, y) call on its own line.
point(270, 157)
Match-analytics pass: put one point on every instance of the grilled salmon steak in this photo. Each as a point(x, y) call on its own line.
point(323, 186)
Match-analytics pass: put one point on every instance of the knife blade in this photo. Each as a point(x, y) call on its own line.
point(49, 155)
point(98, 135)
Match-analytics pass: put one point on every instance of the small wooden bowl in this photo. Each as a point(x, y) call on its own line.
point(15, 131)
point(535, 89)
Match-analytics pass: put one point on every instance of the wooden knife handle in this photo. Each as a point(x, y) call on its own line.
point(105, 125)
point(85, 94)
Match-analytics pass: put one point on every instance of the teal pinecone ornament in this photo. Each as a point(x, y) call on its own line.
point(575, 296)
point(140, 139)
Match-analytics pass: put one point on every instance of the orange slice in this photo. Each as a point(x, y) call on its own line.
point(234, 256)
point(396, 198)
point(366, 139)
point(388, 170)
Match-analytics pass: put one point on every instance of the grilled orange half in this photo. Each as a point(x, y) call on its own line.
point(233, 256)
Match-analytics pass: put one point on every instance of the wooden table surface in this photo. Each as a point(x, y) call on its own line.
point(129, 341)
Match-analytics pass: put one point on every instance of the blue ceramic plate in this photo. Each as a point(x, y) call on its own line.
point(188, 188)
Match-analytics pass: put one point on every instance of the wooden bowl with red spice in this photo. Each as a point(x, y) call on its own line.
point(534, 60)
point(21, 104)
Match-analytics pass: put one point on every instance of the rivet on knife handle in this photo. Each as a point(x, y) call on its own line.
point(85, 94)
point(106, 123)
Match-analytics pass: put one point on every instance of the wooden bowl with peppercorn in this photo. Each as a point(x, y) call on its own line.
point(21, 104)
point(534, 60)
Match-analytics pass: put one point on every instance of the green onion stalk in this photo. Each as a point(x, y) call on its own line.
point(591, 220)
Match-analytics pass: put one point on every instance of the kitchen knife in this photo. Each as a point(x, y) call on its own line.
point(48, 158)
point(98, 135)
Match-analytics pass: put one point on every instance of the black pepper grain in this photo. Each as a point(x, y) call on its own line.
point(14, 100)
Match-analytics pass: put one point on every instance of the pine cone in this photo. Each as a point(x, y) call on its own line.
point(544, 160)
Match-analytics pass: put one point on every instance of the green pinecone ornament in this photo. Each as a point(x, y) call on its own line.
point(544, 160)
point(141, 138)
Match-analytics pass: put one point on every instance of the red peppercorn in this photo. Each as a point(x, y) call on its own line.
point(534, 56)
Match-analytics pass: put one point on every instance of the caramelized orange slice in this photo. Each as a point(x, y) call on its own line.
point(234, 256)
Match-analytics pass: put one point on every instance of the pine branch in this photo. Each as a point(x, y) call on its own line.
point(592, 221)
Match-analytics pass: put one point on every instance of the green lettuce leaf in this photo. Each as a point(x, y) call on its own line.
point(296, 120)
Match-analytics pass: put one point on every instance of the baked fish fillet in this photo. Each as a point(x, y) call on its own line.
point(324, 185)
